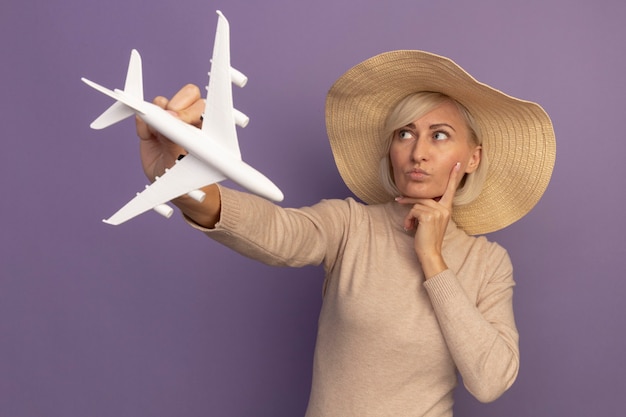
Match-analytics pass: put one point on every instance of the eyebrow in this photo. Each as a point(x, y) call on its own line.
point(439, 125)
point(432, 127)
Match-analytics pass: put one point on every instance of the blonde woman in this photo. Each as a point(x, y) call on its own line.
point(411, 295)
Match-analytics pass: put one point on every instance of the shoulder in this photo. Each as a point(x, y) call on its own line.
point(480, 243)
point(478, 253)
point(488, 246)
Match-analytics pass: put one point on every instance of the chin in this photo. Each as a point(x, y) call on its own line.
point(422, 195)
point(412, 192)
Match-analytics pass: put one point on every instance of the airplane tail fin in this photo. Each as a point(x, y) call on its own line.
point(128, 102)
point(134, 78)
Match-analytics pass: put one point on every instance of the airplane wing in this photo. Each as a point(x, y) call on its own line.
point(186, 175)
point(219, 113)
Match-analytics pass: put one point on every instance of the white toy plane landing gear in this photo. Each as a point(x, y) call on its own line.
point(213, 151)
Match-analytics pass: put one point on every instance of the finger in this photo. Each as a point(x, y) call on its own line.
point(184, 98)
point(422, 211)
point(407, 200)
point(453, 183)
point(187, 103)
point(193, 113)
point(410, 222)
point(143, 130)
point(161, 101)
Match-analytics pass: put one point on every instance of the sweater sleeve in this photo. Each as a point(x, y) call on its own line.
point(264, 231)
point(481, 334)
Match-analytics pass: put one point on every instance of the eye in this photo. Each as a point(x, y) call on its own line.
point(404, 134)
point(440, 135)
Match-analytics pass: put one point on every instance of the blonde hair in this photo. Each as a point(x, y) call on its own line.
point(412, 108)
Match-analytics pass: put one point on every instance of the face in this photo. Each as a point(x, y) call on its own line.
point(424, 152)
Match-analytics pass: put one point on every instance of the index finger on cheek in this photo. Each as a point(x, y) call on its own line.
point(448, 196)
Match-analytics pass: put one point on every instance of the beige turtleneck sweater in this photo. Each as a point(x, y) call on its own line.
point(389, 343)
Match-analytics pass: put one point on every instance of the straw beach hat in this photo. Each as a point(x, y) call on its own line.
point(517, 135)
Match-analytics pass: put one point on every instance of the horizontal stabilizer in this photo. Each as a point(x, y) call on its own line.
point(116, 113)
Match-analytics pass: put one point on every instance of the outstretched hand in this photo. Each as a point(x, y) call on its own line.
point(158, 152)
point(430, 218)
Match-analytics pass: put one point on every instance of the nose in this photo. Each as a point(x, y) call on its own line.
point(421, 150)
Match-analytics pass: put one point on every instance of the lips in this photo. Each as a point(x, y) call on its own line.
point(417, 174)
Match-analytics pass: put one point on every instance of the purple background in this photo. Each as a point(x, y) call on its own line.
point(153, 319)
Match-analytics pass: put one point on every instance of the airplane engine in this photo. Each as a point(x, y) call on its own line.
point(197, 195)
point(164, 210)
point(238, 78)
point(240, 118)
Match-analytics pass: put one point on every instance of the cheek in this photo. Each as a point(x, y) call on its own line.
point(464, 156)
point(395, 164)
point(395, 158)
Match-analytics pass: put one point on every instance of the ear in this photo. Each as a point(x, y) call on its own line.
point(474, 160)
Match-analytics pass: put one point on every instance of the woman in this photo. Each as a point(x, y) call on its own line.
point(410, 298)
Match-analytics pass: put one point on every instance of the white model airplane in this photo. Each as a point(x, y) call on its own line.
point(213, 151)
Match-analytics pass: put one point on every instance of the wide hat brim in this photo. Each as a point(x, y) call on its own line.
point(518, 137)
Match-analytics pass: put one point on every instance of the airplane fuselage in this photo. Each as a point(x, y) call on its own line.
point(197, 143)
